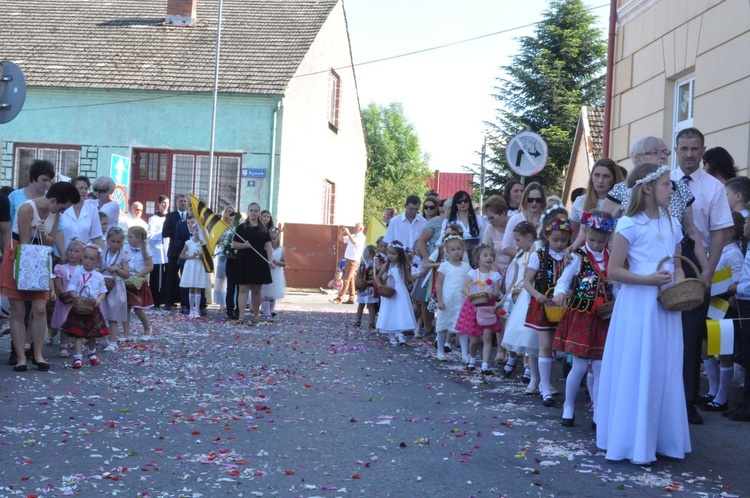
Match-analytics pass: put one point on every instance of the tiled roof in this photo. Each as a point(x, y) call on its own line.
point(123, 44)
point(596, 127)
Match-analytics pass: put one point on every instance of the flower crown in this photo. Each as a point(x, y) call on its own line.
point(89, 245)
point(597, 222)
point(548, 211)
point(453, 236)
point(396, 245)
point(561, 224)
point(653, 176)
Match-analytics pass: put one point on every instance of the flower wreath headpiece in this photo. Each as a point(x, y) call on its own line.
point(561, 224)
point(453, 236)
point(548, 211)
point(396, 245)
point(89, 245)
point(653, 176)
point(597, 222)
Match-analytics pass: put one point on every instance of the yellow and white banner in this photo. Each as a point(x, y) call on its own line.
point(720, 337)
point(721, 281)
point(718, 308)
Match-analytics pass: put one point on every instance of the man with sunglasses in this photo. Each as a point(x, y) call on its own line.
point(407, 226)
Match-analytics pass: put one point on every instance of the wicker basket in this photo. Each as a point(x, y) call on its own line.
point(604, 311)
point(66, 297)
point(479, 293)
point(84, 305)
point(134, 284)
point(109, 283)
point(386, 291)
point(685, 295)
point(554, 313)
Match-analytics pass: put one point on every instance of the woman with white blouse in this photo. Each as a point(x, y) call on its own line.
point(104, 187)
point(80, 221)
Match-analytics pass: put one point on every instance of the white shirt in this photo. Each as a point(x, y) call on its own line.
point(405, 231)
point(508, 240)
point(86, 227)
point(565, 282)
point(710, 208)
point(481, 225)
point(156, 242)
point(743, 287)
point(128, 221)
point(354, 251)
point(87, 283)
point(111, 209)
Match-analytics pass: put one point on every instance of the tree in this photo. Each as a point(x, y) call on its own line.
point(397, 167)
point(556, 71)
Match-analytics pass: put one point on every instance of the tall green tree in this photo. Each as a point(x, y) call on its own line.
point(556, 71)
point(396, 167)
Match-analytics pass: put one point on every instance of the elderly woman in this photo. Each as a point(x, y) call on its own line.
point(533, 204)
point(104, 187)
point(654, 150)
point(36, 222)
point(80, 221)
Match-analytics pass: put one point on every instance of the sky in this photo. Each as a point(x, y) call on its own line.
point(446, 93)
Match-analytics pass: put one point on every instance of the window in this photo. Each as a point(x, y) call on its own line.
point(190, 173)
point(329, 202)
point(66, 158)
point(152, 166)
point(334, 96)
point(684, 90)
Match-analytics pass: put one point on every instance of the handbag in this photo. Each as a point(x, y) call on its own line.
point(32, 266)
point(486, 316)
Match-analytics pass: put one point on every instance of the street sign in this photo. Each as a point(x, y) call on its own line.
point(120, 197)
point(526, 154)
point(253, 173)
point(12, 91)
point(120, 170)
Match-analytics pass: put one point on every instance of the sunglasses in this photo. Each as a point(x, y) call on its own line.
point(231, 214)
point(427, 206)
point(462, 201)
point(535, 200)
point(101, 191)
point(492, 218)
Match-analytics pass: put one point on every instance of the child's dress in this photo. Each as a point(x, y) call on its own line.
point(467, 317)
point(277, 288)
point(641, 402)
point(454, 278)
point(86, 284)
point(396, 313)
point(140, 297)
point(365, 272)
point(115, 305)
point(193, 272)
point(518, 338)
point(60, 314)
point(581, 332)
point(548, 265)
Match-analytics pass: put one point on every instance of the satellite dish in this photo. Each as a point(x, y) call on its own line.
point(12, 91)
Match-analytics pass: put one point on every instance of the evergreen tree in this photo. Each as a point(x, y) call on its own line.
point(396, 167)
point(556, 71)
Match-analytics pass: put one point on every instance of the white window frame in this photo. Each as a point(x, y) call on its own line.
point(199, 177)
point(54, 153)
point(334, 99)
point(684, 100)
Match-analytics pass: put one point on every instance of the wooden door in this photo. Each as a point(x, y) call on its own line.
point(311, 254)
point(150, 177)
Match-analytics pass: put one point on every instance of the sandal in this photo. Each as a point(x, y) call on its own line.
point(77, 363)
point(93, 359)
point(64, 353)
point(357, 324)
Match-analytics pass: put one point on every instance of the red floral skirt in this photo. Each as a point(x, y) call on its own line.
point(581, 334)
point(141, 298)
point(89, 326)
point(536, 318)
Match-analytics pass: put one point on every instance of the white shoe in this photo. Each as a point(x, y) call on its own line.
point(441, 356)
point(394, 341)
point(110, 349)
point(418, 334)
point(146, 338)
point(532, 389)
point(401, 339)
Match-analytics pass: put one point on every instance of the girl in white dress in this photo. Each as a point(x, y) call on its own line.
point(451, 276)
point(115, 265)
point(396, 312)
point(640, 407)
point(194, 276)
point(277, 288)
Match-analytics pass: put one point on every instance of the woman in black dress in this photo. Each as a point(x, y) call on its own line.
point(251, 269)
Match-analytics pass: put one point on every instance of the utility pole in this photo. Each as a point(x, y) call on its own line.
point(481, 175)
point(209, 201)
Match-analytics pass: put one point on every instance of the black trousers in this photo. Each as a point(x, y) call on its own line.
point(156, 281)
point(742, 344)
point(171, 288)
point(231, 287)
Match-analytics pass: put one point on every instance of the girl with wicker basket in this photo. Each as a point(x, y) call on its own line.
point(396, 313)
point(115, 267)
point(451, 276)
point(640, 406)
point(366, 295)
point(583, 329)
point(85, 320)
point(544, 268)
point(477, 318)
point(64, 302)
point(136, 285)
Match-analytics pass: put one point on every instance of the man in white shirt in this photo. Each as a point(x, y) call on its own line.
point(711, 215)
point(355, 246)
point(407, 226)
point(133, 217)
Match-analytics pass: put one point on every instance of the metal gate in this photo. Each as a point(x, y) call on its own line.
point(311, 254)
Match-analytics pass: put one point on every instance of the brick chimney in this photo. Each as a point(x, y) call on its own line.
point(181, 13)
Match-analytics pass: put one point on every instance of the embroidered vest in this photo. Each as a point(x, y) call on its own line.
point(549, 271)
point(587, 286)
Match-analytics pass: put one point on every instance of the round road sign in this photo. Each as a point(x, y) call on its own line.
point(526, 154)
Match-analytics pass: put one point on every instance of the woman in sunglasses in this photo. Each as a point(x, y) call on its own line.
point(462, 212)
point(104, 187)
point(533, 204)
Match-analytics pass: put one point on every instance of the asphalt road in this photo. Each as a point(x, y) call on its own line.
point(311, 407)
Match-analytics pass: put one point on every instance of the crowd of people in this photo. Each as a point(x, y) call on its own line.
point(536, 281)
point(74, 267)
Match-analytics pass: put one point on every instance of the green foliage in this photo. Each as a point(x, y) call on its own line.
point(397, 167)
point(556, 71)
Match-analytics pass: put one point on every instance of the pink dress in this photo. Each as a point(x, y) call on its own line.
point(60, 314)
point(467, 317)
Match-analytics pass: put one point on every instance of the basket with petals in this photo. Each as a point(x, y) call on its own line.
point(84, 305)
point(554, 313)
point(479, 293)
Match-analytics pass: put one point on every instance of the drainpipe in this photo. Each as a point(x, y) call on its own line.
point(608, 82)
point(272, 164)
